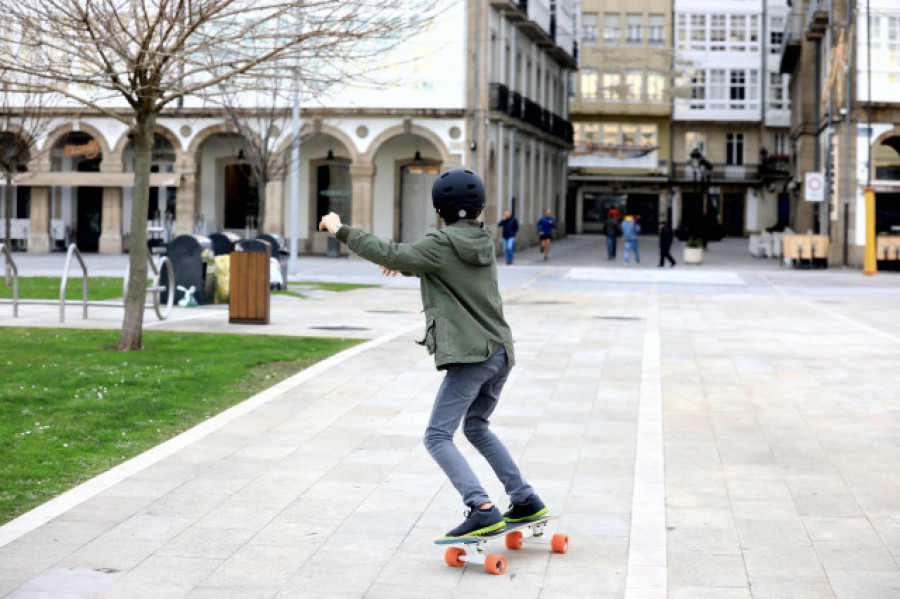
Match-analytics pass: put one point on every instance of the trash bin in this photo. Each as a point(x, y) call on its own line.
point(191, 256)
point(250, 297)
point(276, 241)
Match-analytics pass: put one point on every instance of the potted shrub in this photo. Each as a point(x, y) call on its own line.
point(693, 251)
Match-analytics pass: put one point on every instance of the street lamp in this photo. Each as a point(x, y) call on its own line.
point(703, 167)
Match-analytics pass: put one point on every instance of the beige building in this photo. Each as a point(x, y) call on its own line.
point(485, 88)
point(845, 122)
point(621, 112)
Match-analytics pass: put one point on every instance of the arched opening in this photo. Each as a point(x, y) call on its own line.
point(886, 163)
point(79, 152)
point(229, 193)
point(14, 157)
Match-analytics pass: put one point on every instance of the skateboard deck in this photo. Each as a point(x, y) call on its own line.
point(514, 534)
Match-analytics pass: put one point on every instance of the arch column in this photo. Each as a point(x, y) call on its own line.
point(111, 222)
point(39, 223)
point(186, 203)
point(363, 177)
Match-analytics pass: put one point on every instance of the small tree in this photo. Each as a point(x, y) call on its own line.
point(130, 59)
point(24, 119)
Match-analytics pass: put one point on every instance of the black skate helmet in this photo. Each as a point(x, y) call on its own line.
point(457, 193)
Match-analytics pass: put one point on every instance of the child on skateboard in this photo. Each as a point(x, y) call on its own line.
point(469, 338)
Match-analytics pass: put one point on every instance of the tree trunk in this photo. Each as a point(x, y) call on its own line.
point(7, 212)
point(133, 321)
point(261, 216)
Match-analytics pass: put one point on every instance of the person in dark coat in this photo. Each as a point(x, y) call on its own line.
point(665, 244)
point(613, 232)
point(509, 227)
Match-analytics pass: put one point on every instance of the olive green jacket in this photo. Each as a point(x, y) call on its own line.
point(464, 320)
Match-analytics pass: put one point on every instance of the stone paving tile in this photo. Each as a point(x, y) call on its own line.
point(779, 416)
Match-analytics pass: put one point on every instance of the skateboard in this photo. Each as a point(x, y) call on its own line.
point(514, 533)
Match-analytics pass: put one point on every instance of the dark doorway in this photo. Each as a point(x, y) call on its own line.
point(241, 196)
point(645, 206)
point(887, 213)
point(88, 218)
point(89, 210)
point(733, 214)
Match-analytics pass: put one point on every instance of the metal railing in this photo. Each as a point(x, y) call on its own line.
point(11, 264)
point(73, 249)
point(155, 288)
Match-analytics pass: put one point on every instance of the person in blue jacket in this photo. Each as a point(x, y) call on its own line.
point(630, 230)
point(545, 228)
point(509, 227)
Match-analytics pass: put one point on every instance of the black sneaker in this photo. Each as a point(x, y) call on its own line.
point(479, 523)
point(523, 511)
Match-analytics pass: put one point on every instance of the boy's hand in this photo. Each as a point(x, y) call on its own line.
point(330, 222)
point(388, 272)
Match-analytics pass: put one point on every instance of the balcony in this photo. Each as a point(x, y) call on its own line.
point(791, 44)
point(514, 105)
point(816, 19)
point(683, 173)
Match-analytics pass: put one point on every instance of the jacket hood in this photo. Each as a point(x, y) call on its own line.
point(471, 241)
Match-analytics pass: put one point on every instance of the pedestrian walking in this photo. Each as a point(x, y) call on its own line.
point(613, 231)
point(545, 228)
point(469, 338)
point(665, 244)
point(509, 226)
point(630, 230)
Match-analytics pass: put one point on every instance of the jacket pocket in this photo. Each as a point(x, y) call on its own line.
point(430, 339)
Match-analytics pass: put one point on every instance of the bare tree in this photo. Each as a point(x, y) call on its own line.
point(130, 59)
point(25, 117)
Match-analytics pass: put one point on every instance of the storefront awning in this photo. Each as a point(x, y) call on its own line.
point(76, 179)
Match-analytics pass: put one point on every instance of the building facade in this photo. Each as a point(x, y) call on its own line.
point(486, 89)
point(731, 118)
point(845, 68)
point(621, 111)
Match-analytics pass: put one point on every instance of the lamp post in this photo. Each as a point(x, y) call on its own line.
point(703, 167)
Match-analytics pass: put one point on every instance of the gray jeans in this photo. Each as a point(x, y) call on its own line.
point(469, 393)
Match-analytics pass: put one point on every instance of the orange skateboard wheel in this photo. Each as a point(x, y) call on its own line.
point(560, 543)
point(514, 540)
point(495, 564)
point(451, 556)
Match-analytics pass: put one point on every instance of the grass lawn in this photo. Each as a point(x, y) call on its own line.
point(71, 407)
point(99, 288)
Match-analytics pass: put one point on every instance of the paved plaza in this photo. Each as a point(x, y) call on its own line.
point(725, 430)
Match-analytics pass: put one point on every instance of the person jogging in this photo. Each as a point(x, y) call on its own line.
point(545, 228)
point(469, 337)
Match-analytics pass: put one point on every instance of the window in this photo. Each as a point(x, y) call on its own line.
point(590, 28)
point(717, 90)
point(776, 34)
point(737, 91)
point(698, 32)
point(610, 134)
point(734, 148)
point(753, 34)
point(682, 32)
point(610, 86)
point(694, 140)
point(634, 29)
point(656, 31)
point(777, 97)
point(717, 33)
point(698, 90)
point(612, 28)
point(634, 83)
point(656, 86)
point(629, 134)
point(589, 137)
point(589, 80)
point(738, 33)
